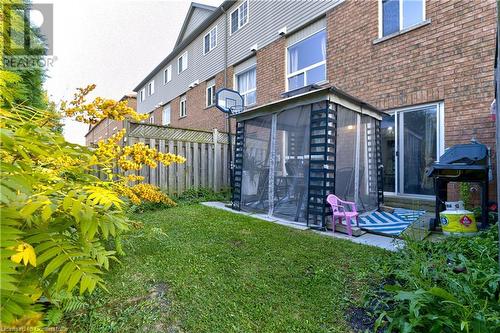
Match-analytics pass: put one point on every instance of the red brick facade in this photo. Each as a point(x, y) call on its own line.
point(199, 116)
point(271, 72)
point(449, 59)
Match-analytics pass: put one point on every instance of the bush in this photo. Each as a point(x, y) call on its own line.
point(202, 194)
point(447, 286)
point(56, 214)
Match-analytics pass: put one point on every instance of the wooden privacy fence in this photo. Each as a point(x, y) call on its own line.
point(206, 156)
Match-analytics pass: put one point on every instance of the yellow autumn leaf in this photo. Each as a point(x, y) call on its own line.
point(25, 253)
point(37, 293)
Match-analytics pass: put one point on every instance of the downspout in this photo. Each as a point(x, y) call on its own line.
point(497, 116)
point(227, 125)
point(225, 47)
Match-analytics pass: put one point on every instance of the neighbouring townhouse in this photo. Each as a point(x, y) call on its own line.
point(107, 127)
point(428, 64)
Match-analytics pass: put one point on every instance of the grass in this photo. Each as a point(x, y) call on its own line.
point(199, 269)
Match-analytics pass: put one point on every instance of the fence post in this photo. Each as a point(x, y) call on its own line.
point(153, 171)
point(171, 170)
point(216, 158)
point(181, 168)
point(162, 181)
point(196, 165)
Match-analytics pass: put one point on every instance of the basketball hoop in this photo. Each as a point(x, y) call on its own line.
point(229, 101)
point(236, 109)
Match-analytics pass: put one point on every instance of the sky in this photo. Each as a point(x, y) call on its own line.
point(111, 43)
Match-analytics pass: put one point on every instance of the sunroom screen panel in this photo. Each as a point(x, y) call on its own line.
point(255, 175)
point(347, 139)
point(367, 198)
point(291, 163)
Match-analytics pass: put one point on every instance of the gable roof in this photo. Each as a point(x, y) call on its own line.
point(189, 38)
point(196, 14)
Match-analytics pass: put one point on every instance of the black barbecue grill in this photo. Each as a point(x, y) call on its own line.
point(461, 163)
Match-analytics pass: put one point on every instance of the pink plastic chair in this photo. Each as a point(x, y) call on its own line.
point(339, 212)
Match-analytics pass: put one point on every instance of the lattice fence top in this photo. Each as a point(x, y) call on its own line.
point(150, 131)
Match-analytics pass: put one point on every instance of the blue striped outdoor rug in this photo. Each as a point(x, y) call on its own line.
point(389, 223)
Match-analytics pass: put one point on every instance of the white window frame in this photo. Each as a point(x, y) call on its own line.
point(152, 118)
point(142, 94)
point(304, 70)
point(440, 143)
point(381, 18)
point(209, 34)
point(182, 101)
point(167, 74)
point(163, 118)
point(185, 54)
point(235, 84)
point(151, 87)
point(239, 17)
point(212, 88)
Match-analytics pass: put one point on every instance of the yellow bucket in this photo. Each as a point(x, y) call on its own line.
point(458, 222)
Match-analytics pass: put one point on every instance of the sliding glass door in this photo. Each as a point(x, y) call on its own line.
point(412, 141)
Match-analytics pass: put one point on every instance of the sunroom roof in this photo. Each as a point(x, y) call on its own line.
point(332, 93)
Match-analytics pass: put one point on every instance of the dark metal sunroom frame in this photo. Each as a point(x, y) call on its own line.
point(322, 145)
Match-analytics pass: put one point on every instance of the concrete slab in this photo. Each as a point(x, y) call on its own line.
point(388, 243)
point(384, 242)
point(221, 205)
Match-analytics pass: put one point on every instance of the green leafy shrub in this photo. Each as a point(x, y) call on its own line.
point(448, 286)
point(202, 194)
point(56, 215)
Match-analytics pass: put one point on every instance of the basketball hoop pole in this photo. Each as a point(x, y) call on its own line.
point(230, 160)
point(230, 102)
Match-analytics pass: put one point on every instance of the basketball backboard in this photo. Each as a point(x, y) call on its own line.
point(229, 101)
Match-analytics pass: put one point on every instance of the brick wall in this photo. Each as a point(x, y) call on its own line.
point(199, 116)
point(271, 72)
point(450, 60)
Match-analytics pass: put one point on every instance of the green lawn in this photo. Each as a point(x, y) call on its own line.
point(199, 269)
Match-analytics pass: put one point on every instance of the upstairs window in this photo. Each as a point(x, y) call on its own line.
point(152, 119)
point(142, 94)
point(210, 93)
point(182, 107)
point(182, 63)
point(165, 117)
point(151, 88)
point(246, 84)
point(239, 17)
point(210, 41)
point(167, 74)
point(307, 61)
point(397, 15)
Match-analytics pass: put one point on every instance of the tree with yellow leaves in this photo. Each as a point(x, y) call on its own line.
point(55, 211)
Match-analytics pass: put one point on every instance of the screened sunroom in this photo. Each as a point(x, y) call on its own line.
point(290, 154)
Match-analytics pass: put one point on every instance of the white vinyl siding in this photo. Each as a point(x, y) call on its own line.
point(182, 107)
point(165, 117)
point(210, 96)
point(257, 31)
point(246, 85)
point(210, 41)
point(182, 63)
point(397, 15)
point(306, 61)
point(239, 17)
point(167, 74)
